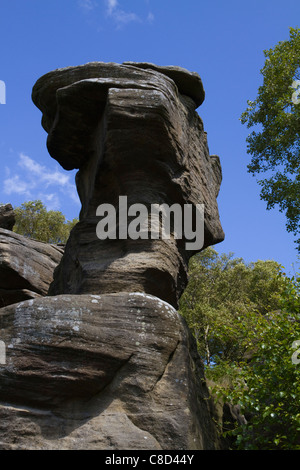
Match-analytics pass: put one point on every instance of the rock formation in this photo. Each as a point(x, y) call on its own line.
point(132, 131)
point(105, 361)
point(116, 371)
point(7, 216)
point(26, 267)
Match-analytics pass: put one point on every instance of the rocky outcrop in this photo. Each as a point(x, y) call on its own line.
point(105, 361)
point(7, 216)
point(131, 130)
point(26, 267)
point(116, 371)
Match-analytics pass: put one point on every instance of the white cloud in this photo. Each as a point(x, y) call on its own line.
point(115, 11)
point(120, 16)
point(16, 185)
point(46, 176)
point(87, 5)
point(35, 179)
point(51, 201)
point(111, 6)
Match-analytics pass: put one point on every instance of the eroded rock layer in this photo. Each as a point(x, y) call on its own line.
point(26, 267)
point(105, 361)
point(116, 371)
point(131, 130)
point(7, 216)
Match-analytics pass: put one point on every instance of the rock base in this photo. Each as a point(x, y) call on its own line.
point(110, 372)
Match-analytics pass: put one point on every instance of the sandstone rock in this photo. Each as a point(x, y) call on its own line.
point(188, 83)
point(13, 296)
point(105, 361)
point(7, 216)
point(227, 416)
point(26, 267)
point(132, 130)
point(116, 371)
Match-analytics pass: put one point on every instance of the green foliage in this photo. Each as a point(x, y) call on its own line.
point(275, 146)
point(220, 293)
point(267, 386)
point(246, 319)
point(34, 221)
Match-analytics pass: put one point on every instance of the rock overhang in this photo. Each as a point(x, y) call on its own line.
point(81, 92)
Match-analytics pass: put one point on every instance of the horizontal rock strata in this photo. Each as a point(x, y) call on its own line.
point(131, 130)
point(26, 267)
point(105, 361)
point(116, 371)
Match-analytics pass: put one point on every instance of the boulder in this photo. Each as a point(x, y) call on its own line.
point(110, 372)
point(7, 216)
point(26, 267)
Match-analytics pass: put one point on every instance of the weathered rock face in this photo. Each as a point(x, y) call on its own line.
point(116, 371)
point(132, 130)
point(26, 267)
point(105, 361)
point(7, 216)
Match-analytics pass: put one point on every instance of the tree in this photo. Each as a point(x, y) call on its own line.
point(246, 320)
point(220, 293)
point(267, 387)
point(34, 221)
point(275, 146)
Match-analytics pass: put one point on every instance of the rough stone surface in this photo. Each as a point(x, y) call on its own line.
point(13, 296)
point(7, 216)
point(26, 267)
point(188, 83)
point(105, 361)
point(118, 371)
point(131, 130)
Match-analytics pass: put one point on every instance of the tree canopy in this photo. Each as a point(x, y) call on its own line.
point(266, 384)
point(220, 292)
point(34, 221)
point(275, 142)
point(246, 320)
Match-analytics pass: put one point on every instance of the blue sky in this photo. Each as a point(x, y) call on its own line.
point(223, 41)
